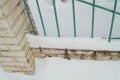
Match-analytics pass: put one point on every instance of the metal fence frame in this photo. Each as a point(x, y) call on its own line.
point(93, 4)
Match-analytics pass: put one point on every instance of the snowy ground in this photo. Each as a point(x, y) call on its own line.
point(62, 69)
point(83, 18)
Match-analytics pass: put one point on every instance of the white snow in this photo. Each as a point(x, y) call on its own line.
point(83, 18)
point(62, 69)
point(73, 43)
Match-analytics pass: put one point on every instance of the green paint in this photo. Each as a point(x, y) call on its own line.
point(74, 19)
point(100, 7)
point(93, 15)
point(40, 15)
point(56, 18)
point(112, 22)
point(27, 11)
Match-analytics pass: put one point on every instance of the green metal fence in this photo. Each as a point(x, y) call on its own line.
point(93, 4)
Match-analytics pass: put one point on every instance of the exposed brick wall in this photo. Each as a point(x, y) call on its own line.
point(76, 54)
point(15, 55)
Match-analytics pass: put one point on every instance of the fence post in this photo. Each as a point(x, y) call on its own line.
point(74, 19)
point(56, 18)
point(112, 22)
point(93, 15)
point(40, 15)
point(29, 17)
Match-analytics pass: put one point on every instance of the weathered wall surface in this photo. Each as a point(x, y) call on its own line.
point(15, 55)
point(76, 54)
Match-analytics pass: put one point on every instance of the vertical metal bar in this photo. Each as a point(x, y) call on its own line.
point(54, 6)
point(28, 14)
point(93, 15)
point(41, 18)
point(112, 22)
point(74, 19)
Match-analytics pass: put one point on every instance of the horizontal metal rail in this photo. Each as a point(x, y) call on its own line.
point(115, 38)
point(100, 7)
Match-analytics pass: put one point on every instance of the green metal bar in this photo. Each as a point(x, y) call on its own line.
point(115, 38)
point(74, 20)
point(54, 6)
point(98, 6)
point(93, 15)
point(40, 15)
point(112, 22)
point(28, 14)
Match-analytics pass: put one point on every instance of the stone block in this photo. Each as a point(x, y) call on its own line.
point(20, 53)
point(13, 59)
point(19, 68)
point(2, 2)
point(8, 7)
point(115, 53)
point(84, 52)
point(103, 58)
point(74, 56)
point(115, 57)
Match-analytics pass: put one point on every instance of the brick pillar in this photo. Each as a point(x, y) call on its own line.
point(15, 55)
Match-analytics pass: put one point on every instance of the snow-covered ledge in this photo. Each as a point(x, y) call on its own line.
point(77, 48)
point(73, 43)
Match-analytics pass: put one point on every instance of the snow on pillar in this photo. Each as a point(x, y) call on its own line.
point(15, 55)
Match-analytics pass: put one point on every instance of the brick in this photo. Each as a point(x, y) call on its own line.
point(115, 57)
point(13, 53)
point(2, 2)
point(14, 64)
point(12, 47)
point(103, 53)
point(20, 20)
point(8, 7)
point(8, 41)
point(19, 26)
point(20, 68)
point(27, 63)
point(14, 17)
point(52, 51)
point(6, 32)
point(72, 51)
point(35, 50)
point(84, 52)
point(16, 69)
point(61, 55)
point(75, 56)
point(103, 57)
point(36, 53)
point(115, 53)
point(13, 59)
